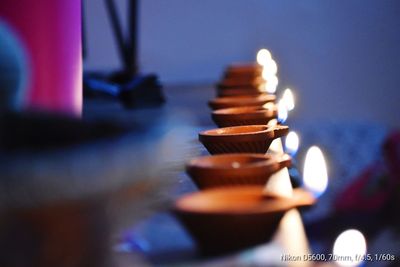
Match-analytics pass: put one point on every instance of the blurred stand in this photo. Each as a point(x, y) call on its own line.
point(128, 86)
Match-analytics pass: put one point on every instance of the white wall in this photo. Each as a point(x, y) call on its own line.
point(341, 57)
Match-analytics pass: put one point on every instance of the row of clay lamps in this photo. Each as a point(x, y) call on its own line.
point(231, 211)
point(241, 99)
point(241, 80)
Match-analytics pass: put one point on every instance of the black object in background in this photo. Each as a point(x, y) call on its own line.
point(136, 91)
point(132, 89)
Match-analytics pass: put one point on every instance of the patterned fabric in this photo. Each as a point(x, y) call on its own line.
point(348, 147)
point(374, 187)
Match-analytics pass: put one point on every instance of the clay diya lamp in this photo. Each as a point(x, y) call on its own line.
point(243, 70)
point(242, 78)
point(241, 91)
point(223, 220)
point(231, 73)
point(235, 169)
point(241, 101)
point(237, 83)
point(244, 116)
point(241, 139)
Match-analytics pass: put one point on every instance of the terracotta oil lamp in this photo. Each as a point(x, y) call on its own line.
point(235, 169)
point(240, 101)
point(242, 79)
point(244, 116)
point(241, 139)
point(223, 220)
point(241, 91)
point(243, 70)
point(236, 83)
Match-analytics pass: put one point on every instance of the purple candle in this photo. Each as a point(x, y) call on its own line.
point(50, 33)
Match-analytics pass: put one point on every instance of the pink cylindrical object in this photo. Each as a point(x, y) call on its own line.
point(50, 32)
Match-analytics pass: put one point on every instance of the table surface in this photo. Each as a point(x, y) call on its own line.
point(148, 240)
point(145, 234)
point(115, 191)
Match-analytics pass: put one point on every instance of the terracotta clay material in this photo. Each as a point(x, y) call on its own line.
point(224, 220)
point(236, 83)
point(241, 101)
point(235, 169)
point(241, 139)
point(241, 69)
point(240, 91)
point(242, 78)
point(244, 115)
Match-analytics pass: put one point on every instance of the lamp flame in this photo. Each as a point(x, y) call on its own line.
point(349, 248)
point(292, 143)
point(282, 112)
point(263, 56)
point(315, 176)
point(270, 69)
point(288, 99)
point(271, 84)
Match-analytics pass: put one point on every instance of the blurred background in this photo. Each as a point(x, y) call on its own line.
point(119, 167)
point(341, 57)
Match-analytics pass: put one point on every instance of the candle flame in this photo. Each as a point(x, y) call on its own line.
point(263, 56)
point(266, 75)
point(235, 165)
point(288, 99)
point(349, 248)
point(292, 143)
point(270, 69)
point(269, 105)
point(282, 112)
point(271, 85)
point(315, 176)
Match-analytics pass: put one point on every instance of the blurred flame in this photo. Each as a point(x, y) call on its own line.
point(315, 176)
point(292, 143)
point(276, 146)
point(266, 75)
point(270, 69)
point(263, 56)
point(282, 112)
point(288, 99)
point(235, 164)
point(271, 84)
point(347, 245)
point(262, 87)
point(269, 105)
